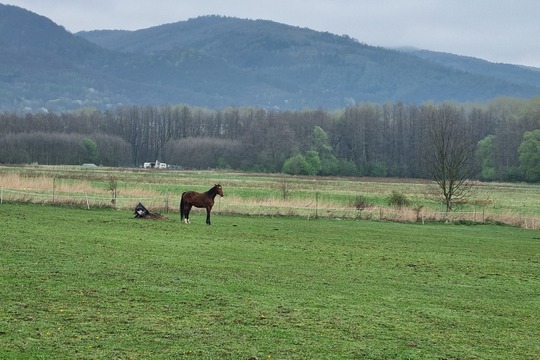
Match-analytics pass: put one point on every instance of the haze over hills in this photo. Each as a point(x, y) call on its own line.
point(511, 73)
point(216, 62)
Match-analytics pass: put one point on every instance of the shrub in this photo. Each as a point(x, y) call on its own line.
point(361, 203)
point(296, 165)
point(398, 199)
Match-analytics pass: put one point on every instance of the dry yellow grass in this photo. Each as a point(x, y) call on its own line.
point(15, 181)
point(47, 189)
point(92, 189)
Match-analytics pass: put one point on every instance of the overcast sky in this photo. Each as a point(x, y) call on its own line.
point(496, 30)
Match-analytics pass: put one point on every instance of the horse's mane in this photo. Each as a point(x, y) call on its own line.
point(213, 190)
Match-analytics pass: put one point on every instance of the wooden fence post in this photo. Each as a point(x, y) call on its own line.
point(53, 188)
point(316, 205)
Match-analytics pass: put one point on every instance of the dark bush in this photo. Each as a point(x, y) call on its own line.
point(361, 203)
point(398, 200)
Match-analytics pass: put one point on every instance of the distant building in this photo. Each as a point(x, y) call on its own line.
point(155, 165)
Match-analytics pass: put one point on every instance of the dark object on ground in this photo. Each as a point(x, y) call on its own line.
point(142, 213)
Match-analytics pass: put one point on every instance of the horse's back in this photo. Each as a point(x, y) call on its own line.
point(198, 199)
point(189, 194)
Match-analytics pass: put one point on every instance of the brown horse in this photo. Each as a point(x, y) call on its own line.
point(200, 200)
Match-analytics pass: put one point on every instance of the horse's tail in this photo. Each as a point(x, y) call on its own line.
point(182, 208)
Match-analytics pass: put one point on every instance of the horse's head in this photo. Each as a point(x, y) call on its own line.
point(219, 189)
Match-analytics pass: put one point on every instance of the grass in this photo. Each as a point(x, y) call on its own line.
point(267, 194)
point(94, 284)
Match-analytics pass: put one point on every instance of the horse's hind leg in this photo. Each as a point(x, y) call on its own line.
point(183, 209)
point(186, 216)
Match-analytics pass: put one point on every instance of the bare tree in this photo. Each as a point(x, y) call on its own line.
point(113, 188)
point(450, 151)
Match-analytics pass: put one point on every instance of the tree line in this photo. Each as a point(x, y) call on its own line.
point(384, 140)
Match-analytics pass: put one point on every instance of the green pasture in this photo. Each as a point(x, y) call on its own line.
point(99, 284)
point(496, 198)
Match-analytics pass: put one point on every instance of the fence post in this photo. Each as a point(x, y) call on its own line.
point(316, 205)
point(53, 188)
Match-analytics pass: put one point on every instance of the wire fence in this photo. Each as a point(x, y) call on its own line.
point(168, 203)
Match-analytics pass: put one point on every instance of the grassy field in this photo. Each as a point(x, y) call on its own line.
point(99, 284)
point(268, 194)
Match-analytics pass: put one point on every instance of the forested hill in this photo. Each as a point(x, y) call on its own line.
point(218, 61)
point(507, 72)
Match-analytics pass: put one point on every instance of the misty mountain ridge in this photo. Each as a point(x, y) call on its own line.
point(216, 61)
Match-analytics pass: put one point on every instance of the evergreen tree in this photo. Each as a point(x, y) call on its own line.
point(92, 152)
point(484, 155)
point(529, 156)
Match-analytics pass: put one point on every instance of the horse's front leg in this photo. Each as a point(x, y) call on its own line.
point(208, 209)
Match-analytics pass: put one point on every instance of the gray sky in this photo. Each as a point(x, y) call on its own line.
point(496, 30)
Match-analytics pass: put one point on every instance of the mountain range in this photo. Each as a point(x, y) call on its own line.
point(216, 61)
